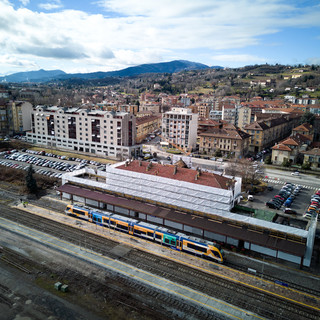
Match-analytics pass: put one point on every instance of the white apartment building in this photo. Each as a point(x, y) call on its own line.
point(179, 127)
point(105, 133)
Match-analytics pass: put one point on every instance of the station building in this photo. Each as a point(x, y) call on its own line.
point(186, 200)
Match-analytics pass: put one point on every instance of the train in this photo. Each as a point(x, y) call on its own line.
point(161, 235)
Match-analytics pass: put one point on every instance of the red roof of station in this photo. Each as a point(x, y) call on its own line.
point(182, 174)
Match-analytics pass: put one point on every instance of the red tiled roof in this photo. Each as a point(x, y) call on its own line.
point(281, 147)
point(182, 174)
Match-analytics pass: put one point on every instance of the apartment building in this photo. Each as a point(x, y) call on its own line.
point(14, 117)
point(244, 116)
point(225, 138)
point(179, 127)
point(21, 120)
point(105, 133)
point(147, 124)
point(267, 132)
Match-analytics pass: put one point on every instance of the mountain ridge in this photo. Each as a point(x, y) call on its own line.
point(51, 75)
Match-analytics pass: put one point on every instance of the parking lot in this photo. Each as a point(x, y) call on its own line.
point(299, 204)
point(47, 164)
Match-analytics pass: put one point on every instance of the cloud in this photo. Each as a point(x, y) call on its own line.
point(57, 53)
point(56, 4)
point(133, 32)
point(313, 60)
point(25, 2)
point(15, 62)
point(238, 58)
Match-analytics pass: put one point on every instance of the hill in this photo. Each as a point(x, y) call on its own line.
point(164, 67)
point(32, 76)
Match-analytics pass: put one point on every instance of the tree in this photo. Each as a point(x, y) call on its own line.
point(30, 181)
point(286, 163)
point(267, 160)
point(307, 117)
point(218, 153)
point(306, 166)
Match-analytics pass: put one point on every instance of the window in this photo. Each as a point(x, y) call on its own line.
point(196, 247)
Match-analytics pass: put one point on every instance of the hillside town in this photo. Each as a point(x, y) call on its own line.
point(115, 121)
point(204, 162)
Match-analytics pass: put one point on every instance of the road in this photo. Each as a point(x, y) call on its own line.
point(285, 176)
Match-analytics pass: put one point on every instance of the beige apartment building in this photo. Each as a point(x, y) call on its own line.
point(105, 133)
point(147, 125)
point(179, 128)
point(228, 140)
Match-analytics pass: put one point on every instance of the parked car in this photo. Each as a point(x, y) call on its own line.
point(289, 211)
point(296, 173)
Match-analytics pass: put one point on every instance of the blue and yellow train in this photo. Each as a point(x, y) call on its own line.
point(161, 235)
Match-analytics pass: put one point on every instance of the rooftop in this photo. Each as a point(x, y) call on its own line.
point(177, 173)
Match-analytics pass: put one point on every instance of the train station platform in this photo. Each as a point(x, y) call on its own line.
point(179, 291)
point(126, 242)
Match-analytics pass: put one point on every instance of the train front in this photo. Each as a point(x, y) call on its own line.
point(216, 253)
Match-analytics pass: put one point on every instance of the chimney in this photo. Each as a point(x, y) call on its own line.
point(196, 177)
point(140, 163)
point(126, 164)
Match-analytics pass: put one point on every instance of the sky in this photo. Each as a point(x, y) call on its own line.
point(106, 35)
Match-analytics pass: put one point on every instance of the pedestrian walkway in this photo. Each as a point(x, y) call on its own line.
point(277, 181)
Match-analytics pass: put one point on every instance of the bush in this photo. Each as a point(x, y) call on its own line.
point(286, 163)
point(267, 160)
point(306, 166)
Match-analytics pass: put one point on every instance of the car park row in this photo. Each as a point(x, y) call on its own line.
point(31, 157)
point(314, 206)
point(285, 198)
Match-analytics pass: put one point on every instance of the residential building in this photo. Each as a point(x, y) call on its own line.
point(147, 125)
point(313, 157)
point(230, 141)
point(203, 110)
point(305, 129)
point(105, 133)
point(5, 120)
point(244, 116)
point(179, 128)
point(230, 113)
point(266, 133)
point(290, 149)
point(21, 119)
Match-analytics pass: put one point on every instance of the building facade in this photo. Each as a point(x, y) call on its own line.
point(230, 142)
point(179, 128)
point(147, 125)
point(105, 133)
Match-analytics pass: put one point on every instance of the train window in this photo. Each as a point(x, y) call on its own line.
point(137, 231)
point(122, 227)
point(105, 220)
point(166, 240)
point(112, 222)
point(150, 234)
point(196, 247)
point(78, 211)
point(158, 236)
point(173, 241)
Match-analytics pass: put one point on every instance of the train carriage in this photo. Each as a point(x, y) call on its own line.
point(122, 223)
point(144, 230)
point(162, 235)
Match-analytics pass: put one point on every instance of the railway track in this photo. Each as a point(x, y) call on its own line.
point(239, 295)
